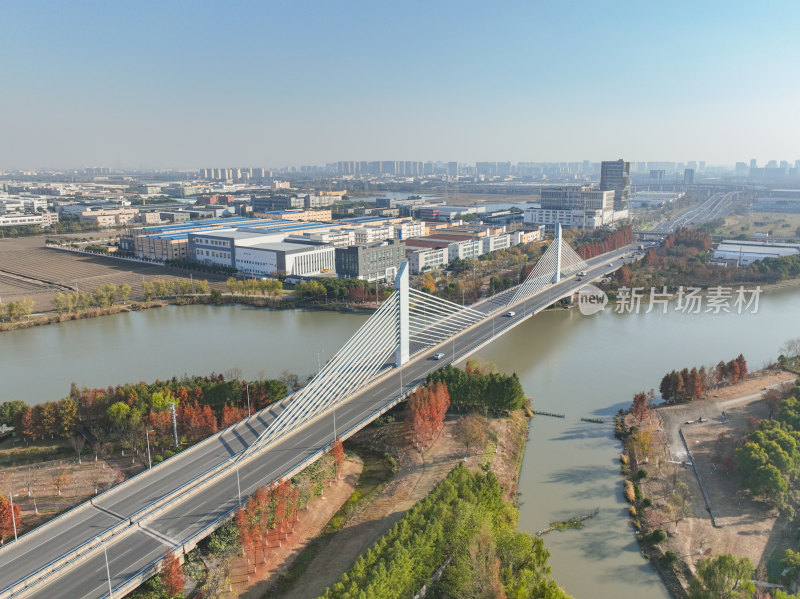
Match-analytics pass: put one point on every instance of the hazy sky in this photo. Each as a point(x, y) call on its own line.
point(273, 83)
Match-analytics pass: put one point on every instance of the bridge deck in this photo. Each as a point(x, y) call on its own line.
point(130, 553)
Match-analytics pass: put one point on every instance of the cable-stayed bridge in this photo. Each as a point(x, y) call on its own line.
point(109, 545)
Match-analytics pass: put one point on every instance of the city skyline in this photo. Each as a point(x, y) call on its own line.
point(186, 85)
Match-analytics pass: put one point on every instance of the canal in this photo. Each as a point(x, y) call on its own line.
point(582, 366)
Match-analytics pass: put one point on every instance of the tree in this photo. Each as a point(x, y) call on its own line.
point(172, 577)
point(791, 566)
point(773, 399)
point(639, 408)
point(76, 442)
point(7, 520)
point(471, 431)
point(67, 416)
point(9, 411)
point(61, 480)
point(724, 577)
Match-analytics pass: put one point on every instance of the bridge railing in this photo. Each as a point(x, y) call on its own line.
point(191, 541)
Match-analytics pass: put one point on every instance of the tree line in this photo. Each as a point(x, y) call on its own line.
point(474, 388)
point(464, 526)
point(122, 413)
point(687, 385)
point(268, 287)
point(12, 311)
point(603, 240)
point(104, 296)
point(173, 288)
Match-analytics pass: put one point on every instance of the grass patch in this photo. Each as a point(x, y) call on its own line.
point(566, 525)
point(34, 453)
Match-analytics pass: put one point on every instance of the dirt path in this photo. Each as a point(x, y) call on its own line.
point(252, 585)
point(418, 473)
point(745, 526)
point(675, 417)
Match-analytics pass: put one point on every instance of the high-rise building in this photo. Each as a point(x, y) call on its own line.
point(753, 163)
point(452, 170)
point(740, 170)
point(688, 176)
point(616, 175)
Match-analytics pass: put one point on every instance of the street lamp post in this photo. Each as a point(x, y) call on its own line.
point(247, 388)
point(147, 436)
point(13, 517)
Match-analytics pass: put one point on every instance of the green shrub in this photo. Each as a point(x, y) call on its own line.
point(657, 536)
point(670, 556)
point(637, 492)
point(647, 502)
point(641, 474)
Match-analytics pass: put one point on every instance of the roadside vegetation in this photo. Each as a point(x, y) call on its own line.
point(461, 541)
point(763, 460)
point(683, 260)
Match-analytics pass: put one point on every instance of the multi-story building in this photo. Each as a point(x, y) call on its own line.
point(370, 234)
point(576, 197)
point(616, 175)
point(409, 229)
point(371, 263)
point(492, 243)
point(291, 257)
point(109, 217)
point(579, 219)
point(422, 260)
point(277, 202)
point(44, 219)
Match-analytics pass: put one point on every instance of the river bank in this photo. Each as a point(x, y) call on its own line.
point(690, 490)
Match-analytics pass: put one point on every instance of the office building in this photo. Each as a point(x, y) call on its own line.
point(378, 262)
point(616, 175)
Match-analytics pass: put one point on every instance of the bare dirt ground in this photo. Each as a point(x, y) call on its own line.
point(251, 585)
point(36, 486)
point(745, 527)
point(30, 269)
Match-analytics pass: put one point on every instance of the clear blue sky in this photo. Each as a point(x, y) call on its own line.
point(272, 83)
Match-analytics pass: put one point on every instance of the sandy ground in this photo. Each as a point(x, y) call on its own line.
point(251, 583)
point(29, 269)
point(745, 527)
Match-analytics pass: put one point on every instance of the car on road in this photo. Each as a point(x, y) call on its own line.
point(580, 278)
point(438, 356)
point(511, 313)
point(611, 264)
point(582, 273)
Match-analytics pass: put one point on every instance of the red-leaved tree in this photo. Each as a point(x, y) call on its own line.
point(172, 577)
point(6, 520)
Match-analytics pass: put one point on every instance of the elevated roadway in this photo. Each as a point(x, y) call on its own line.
point(186, 497)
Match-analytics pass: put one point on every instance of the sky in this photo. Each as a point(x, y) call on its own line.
point(171, 84)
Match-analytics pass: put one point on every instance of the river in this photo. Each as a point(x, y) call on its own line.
point(583, 366)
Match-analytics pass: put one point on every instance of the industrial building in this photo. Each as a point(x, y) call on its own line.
point(744, 253)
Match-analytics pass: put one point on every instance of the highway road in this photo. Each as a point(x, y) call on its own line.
point(714, 207)
point(130, 553)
